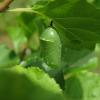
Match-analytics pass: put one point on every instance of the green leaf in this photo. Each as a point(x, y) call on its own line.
point(83, 86)
point(97, 52)
point(78, 19)
point(72, 56)
point(7, 57)
point(34, 41)
point(95, 3)
point(18, 38)
point(28, 84)
point(88, 64)
point(31, 23)
point(33, 26)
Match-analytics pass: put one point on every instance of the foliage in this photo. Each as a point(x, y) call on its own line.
point(53, 54)
point(31, 82)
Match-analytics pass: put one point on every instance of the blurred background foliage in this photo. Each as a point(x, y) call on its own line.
point(15, 37)
point(7, 19)
point(16, 34)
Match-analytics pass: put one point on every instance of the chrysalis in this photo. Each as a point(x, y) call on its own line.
point(51, 47)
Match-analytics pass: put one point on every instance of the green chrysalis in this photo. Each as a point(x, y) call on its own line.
point(51, 47)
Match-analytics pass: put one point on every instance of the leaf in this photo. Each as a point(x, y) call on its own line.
point(18, 38)
point(28, 84)
point(31, 23)
point(72, 56)
point(7, 57)
point(77, 23)
point(95, 3)
point(33, 26)
point(78, 19)
point(72, 84)
point(88, 64)
point(34, 41)
point(91, 1)
point(87, 85)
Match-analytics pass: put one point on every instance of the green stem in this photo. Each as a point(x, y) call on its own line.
point(29, 10)
point(21, 10)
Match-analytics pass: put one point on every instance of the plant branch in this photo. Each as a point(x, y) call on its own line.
point(21, 10)
point(5, 5)
point(29, 10)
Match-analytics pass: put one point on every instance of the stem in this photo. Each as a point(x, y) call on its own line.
point(29, 10)
point(21, 10)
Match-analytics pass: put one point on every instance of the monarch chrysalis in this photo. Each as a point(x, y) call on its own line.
point(51, 47)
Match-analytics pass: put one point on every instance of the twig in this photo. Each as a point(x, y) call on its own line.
point(5, 5)
point(28, 10)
